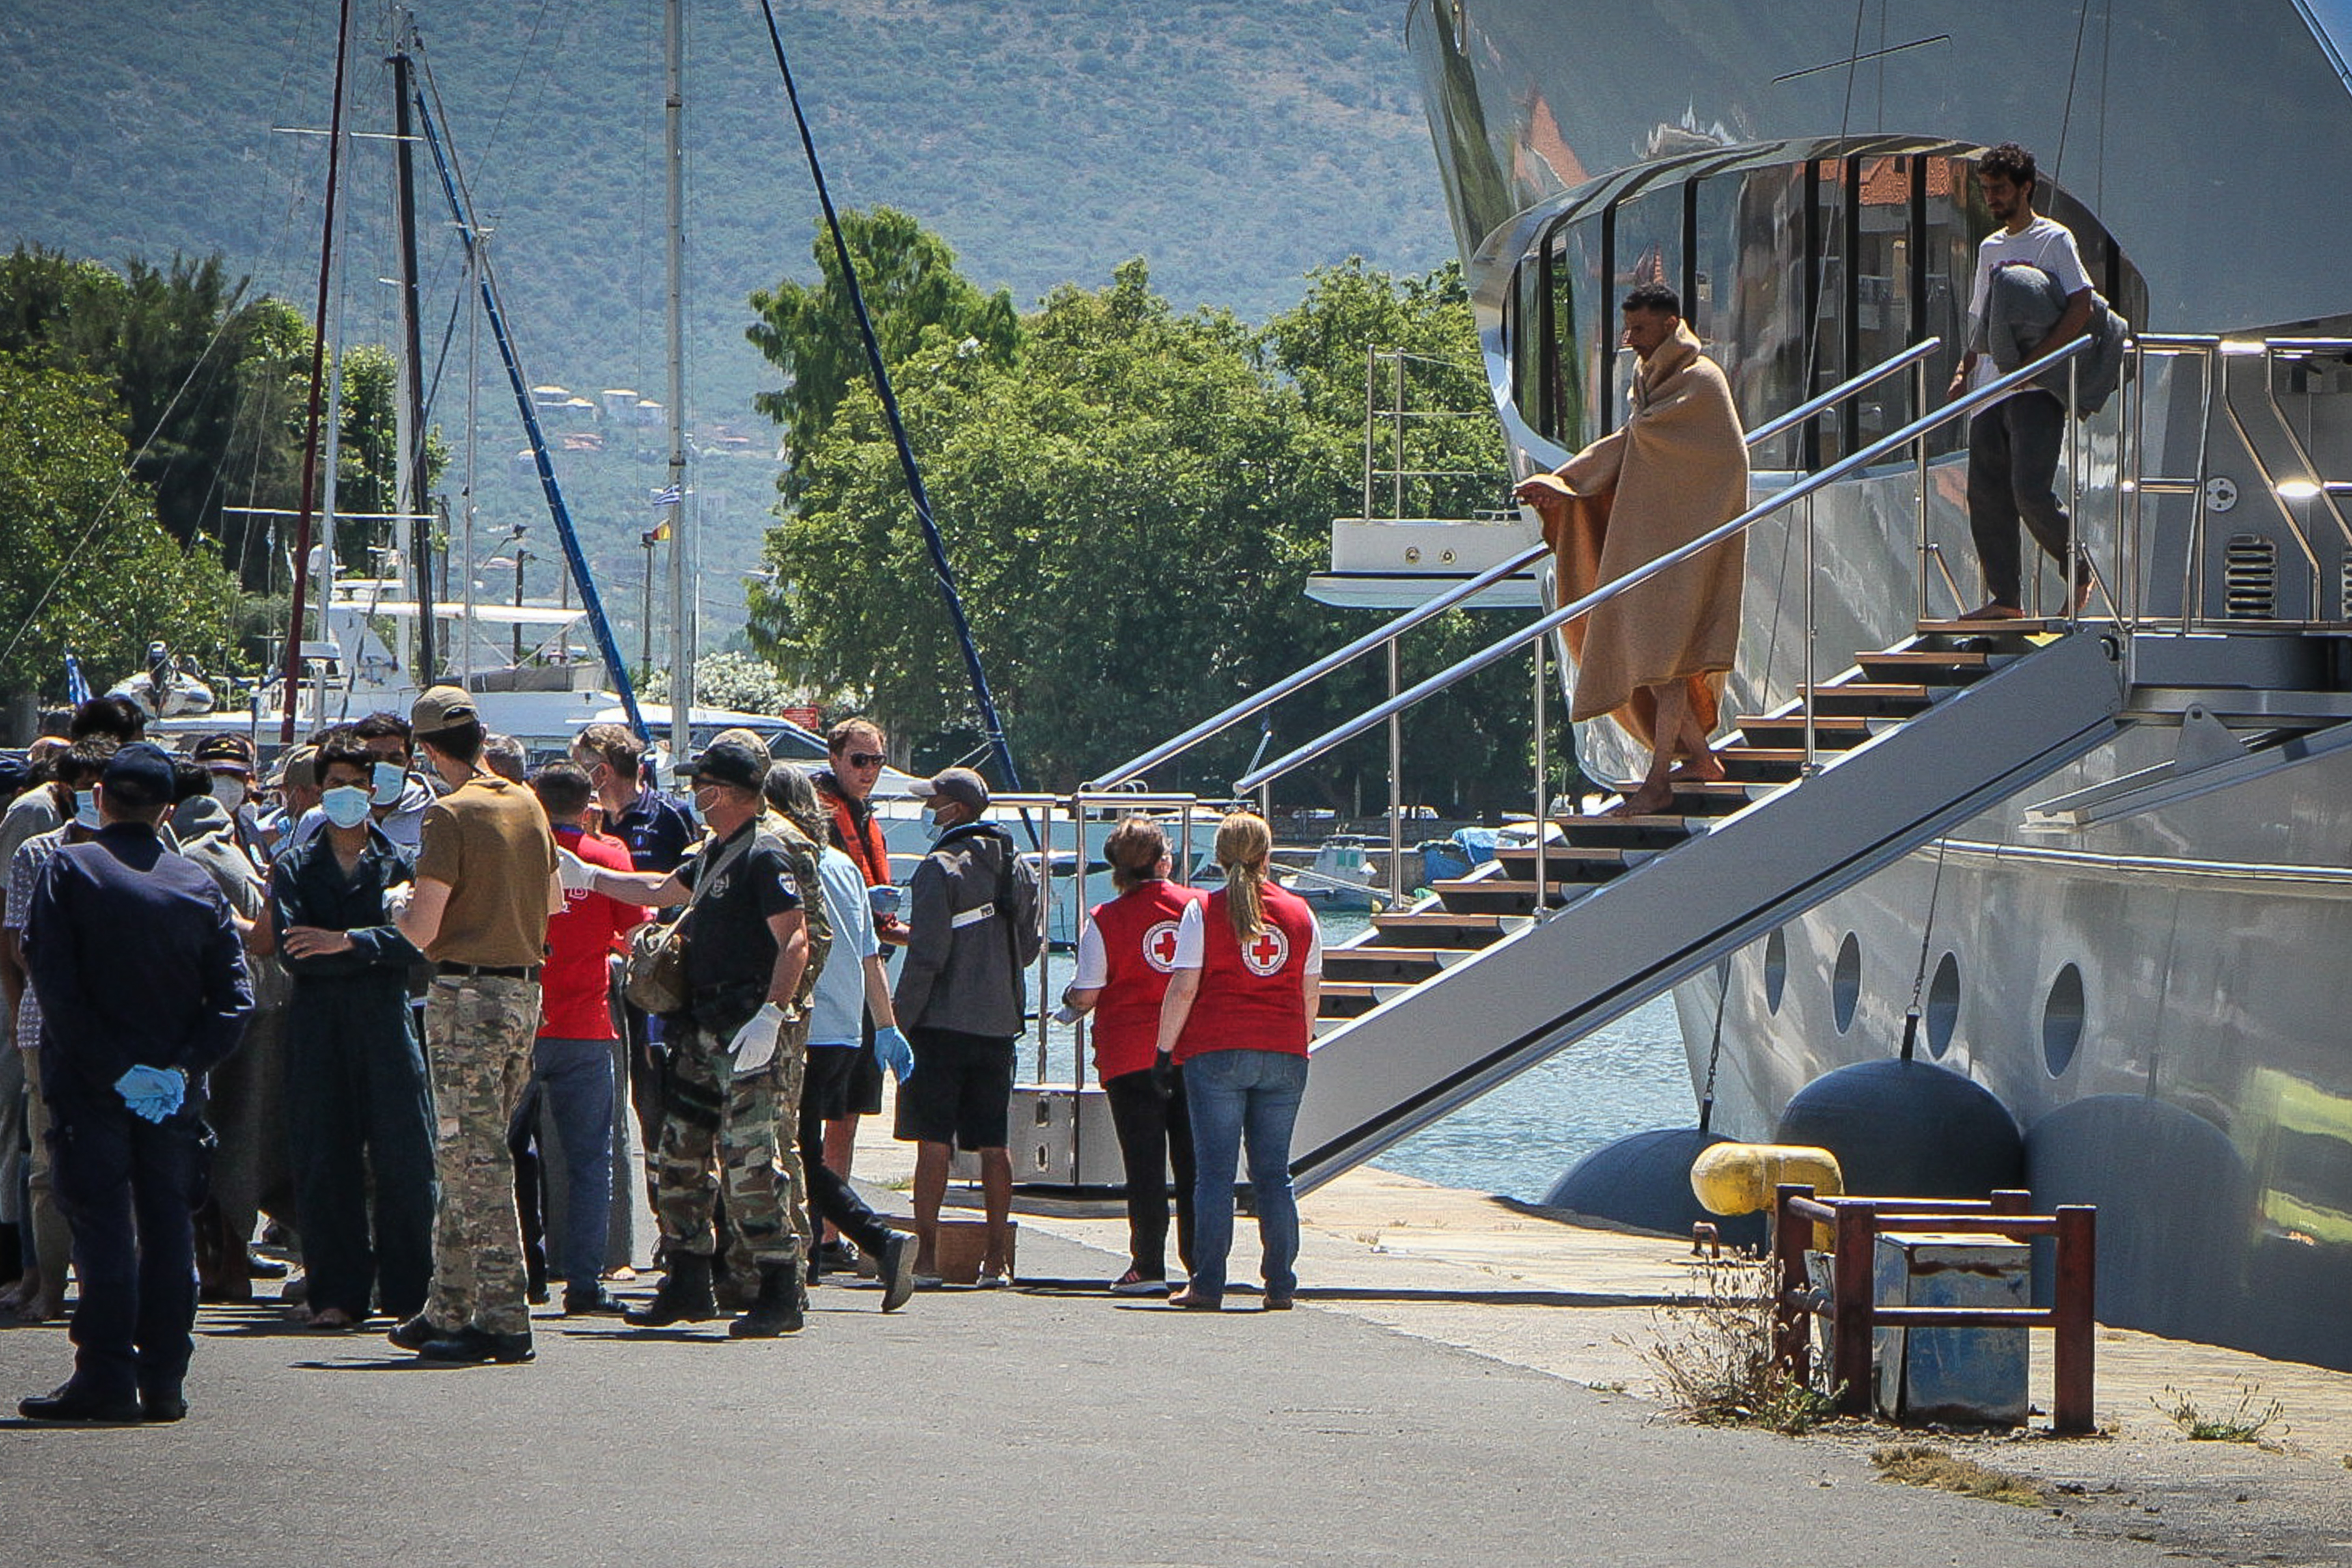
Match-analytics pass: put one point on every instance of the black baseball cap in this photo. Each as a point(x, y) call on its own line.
point(728, 761)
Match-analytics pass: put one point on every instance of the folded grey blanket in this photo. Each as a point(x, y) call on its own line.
point(2021, 306)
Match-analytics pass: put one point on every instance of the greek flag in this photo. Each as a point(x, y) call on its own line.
point(76, 684)
point(669, 495)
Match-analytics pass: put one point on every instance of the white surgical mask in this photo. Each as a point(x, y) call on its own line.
point(86, 809)
point(346, 805)
point(391, 781)
point(229, 790)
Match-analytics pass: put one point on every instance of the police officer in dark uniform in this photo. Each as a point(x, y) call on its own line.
point(143, 986)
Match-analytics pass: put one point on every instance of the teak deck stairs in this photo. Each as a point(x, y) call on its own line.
point(1435, 1005)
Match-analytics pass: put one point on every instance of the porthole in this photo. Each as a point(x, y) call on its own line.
point(1846, 983)
point(1943, 1005)
point(1776, 970)
point(2062, 1020)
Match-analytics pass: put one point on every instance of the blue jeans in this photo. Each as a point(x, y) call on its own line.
point(1233, 1095)
point(573, 1081)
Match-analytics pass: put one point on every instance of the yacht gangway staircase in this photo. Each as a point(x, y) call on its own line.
point(1435, 1006)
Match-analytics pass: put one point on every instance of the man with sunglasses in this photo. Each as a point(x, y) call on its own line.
point(854, 748)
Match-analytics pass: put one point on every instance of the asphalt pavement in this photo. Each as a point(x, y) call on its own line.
point(1046, 1424)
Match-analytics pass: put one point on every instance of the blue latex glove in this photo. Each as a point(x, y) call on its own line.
point(891, 1047)
point(152, 1093)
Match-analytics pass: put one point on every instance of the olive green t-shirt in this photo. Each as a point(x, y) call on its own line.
point(490, 841)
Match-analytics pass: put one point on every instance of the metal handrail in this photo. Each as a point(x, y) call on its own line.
point(1494, 653)
point(1428, 609)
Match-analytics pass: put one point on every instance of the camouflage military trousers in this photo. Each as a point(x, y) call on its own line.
point(478, 1033)
point(718, 1129)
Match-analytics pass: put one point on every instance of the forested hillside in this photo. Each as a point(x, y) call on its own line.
point(1233, 144)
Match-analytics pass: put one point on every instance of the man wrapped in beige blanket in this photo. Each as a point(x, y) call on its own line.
point(1655, 657)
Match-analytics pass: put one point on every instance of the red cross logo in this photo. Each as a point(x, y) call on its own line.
point(1265, 953)
point(1160, 946)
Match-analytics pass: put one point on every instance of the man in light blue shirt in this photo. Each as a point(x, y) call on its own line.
point(851, 980)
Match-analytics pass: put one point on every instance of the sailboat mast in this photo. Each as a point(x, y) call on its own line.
point(412, 463)
point(293, 666)
point(681, 623)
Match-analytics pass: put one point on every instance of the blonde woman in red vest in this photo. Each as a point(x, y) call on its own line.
point(1237, 1018)
point(1125, 957)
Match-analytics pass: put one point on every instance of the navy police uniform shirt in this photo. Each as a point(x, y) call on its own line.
point(727, 942)
point(136, 963)
point(655, 830)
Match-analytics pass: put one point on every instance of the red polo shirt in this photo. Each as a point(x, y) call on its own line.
point(575, 992)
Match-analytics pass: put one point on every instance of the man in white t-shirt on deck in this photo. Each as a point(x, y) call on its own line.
point(2013, 443)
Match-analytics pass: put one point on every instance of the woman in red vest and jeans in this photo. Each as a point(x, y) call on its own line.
point(1125, 957)
point(1237, 1017)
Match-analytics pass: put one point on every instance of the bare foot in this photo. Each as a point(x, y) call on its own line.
point(1994, 610)
point(1696, 770)
point(42, 1309)
point(1647, 801)
point(333, 1319)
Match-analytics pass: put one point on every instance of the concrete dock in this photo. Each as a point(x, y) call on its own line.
point(1462, 1386)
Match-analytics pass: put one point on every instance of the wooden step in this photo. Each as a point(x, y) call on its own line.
point(1935, 666)
point(1877, 699)
point(1718, 799)
point(1514, 896)
point(1763, 764)
point(1831, 731)
point(1439, 928)
point(1385, 965)
point(1487, 896)
point(2041, 625)
point(1518, 859)
point(1661, 832)
point(1350, 998)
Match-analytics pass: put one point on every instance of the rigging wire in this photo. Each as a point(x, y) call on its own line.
point(2073, 73)
point(1927, 934)
point(992, 725)
point(505, 104)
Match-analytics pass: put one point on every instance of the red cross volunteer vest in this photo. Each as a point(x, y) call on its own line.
point(1253, 993)
point(1139, 938)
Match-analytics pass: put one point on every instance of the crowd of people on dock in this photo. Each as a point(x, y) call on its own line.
point(389, 1009)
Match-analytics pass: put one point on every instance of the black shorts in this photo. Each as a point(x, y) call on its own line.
point(960, 1091)
point(866, 1083)
point(832, 1077)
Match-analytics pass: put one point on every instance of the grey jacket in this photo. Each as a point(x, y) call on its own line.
point(2021, 305)
point(973, 929)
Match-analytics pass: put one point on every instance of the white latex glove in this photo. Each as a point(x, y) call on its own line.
point(579, 876)
point(755, 1042)
point(396, 900)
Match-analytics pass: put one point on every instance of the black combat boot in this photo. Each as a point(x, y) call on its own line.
point(778, 1308)
point(684, 1296)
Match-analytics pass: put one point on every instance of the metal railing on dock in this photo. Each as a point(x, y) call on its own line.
point(1852, 1306)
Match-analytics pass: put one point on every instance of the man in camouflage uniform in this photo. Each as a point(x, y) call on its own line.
point(485, 883)
point(735, 1052)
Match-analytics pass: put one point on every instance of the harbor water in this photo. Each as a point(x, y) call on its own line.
point(1629, 1077)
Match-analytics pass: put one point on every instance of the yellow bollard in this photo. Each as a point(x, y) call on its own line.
point(1746, 1178)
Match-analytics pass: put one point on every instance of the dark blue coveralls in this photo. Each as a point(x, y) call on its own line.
point(137, 964)
point(356, 1084)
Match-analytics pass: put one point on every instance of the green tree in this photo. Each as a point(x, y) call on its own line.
point(1472, 747)
point(84, 565)
point(913, 294)
point(208, 381)
point(1133, 503)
